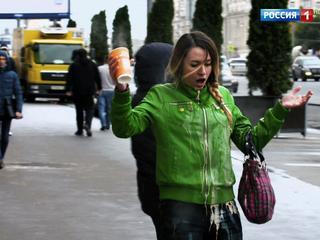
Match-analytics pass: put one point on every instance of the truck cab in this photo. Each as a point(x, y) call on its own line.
point(43, 58)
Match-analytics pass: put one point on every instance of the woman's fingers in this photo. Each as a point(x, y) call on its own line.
point(296, 90)
point(308, 95)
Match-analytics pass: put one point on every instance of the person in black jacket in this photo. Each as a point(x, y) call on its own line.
point(9, 87)
point(11, 65)
point(83, 82)
point(151, 62)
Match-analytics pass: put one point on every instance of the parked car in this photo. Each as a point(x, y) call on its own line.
point(305, 67)
point(223, 58)
point(238, 66)
point(227, 79)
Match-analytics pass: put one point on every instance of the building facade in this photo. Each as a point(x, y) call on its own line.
point(315, 4)
point(235, 27)
point(183, 15)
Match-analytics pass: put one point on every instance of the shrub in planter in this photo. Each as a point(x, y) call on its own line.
point(270, 51)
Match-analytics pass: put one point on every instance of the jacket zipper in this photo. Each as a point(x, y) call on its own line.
point(205, 186)
point(206, 148)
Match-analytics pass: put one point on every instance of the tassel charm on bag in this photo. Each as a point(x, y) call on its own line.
point(255, 194)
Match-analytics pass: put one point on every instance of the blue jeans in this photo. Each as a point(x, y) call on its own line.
point(104, 107)
point(185, 221)
point(4, 140)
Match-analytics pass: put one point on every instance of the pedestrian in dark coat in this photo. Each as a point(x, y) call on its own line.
point(83, 82)
point(11, 65)
point(150, 69)
point(9, 88)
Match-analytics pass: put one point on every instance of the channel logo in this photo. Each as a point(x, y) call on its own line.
point(306, 15)
point(286, 15)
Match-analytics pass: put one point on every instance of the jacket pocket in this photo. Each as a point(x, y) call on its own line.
point(180, 112)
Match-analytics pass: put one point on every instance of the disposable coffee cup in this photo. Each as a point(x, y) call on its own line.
point(123, 73)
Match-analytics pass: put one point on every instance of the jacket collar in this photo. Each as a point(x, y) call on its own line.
point(202, 96)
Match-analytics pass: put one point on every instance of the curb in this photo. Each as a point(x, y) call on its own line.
point(314, 104)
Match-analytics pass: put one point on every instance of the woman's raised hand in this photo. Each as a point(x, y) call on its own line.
point(293, 100)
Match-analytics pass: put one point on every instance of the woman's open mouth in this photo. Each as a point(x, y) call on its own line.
point(200, 82)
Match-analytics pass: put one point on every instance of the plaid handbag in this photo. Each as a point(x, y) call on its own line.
point(255, 193)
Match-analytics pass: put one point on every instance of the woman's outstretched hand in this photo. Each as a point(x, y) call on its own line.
point(293, 100)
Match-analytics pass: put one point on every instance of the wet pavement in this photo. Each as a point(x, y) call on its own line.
point(59, 186)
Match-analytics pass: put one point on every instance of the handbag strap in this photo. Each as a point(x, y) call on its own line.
point(250, 148)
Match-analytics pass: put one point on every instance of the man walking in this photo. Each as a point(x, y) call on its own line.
point(83, 82)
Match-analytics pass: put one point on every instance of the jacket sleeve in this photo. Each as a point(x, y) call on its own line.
point(128, 121)
point(69, 82)
point(263, 131)
point(17, 91)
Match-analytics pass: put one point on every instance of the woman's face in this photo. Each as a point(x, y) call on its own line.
point(196, 68)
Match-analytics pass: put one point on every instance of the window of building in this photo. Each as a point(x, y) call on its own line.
point(292, 4)
point(306, 3)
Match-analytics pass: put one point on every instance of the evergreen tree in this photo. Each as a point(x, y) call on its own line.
point(98, 37)
point(270, 57)
point(159, 27)
point(71, 24)
point(207, 18)
point(121, 35)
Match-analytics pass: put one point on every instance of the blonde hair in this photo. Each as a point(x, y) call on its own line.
point(215, 93)
point(181, 49)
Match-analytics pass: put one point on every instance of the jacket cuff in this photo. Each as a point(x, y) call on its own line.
point(279, 111)
point(122, 97)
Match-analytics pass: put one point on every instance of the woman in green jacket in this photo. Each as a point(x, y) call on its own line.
point(194, 120)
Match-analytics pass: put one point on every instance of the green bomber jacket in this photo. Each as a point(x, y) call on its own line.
point(193, 138)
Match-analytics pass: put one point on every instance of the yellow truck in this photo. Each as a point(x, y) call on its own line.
point(42, 59)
